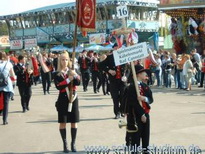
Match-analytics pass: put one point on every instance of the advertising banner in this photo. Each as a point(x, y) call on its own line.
point(16, 44)
point(97, 38)
point(30, 43)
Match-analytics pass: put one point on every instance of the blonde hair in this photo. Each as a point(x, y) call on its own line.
point(187, 56)
point(64, 53)
point(3, 56)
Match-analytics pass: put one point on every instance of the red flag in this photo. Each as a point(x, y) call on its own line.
point(86, 15)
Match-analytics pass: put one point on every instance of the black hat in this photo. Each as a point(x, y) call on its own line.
point(115, 45)
point(140, 69)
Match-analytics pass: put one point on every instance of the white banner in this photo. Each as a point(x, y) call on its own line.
point(131, 53)
point(16, 44)
point(97, 38)
point(30, 43)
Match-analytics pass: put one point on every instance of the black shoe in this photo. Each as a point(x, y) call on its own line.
point(12, 98)
point(44, 93)
point(95, 92)
point(24, 110)
point(73, 148)
point(73, 139)
point(5, 123)
point(48, 92)
point(122, 115)
point(66, 150)
point(117, 116)
point(200, 86)
point(27, 108)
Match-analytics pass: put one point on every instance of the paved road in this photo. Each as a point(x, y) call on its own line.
point(177, 119)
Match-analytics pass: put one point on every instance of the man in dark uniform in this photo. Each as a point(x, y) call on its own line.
point(84, 63)
point(96, 77)
point(139, 112)
point(117, 86)
point(24, 82)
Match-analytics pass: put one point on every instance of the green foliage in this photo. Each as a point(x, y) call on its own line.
point(3, 28)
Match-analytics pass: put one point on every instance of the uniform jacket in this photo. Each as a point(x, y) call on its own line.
point(61, 85)
point(109, 64)
point(133, 103)
point(87, 61)
point(23, 79)
point(93, 63)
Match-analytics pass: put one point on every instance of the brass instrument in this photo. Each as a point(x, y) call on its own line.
point(29, 69)
point(130, 128)
point(43, 65)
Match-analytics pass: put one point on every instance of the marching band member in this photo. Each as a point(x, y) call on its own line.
point(104, 78)
point(140, 113)
point(62, 79)
point(84, 62)
point(117, 86)
point(96, 76)
point(46, 75)
point(24, 73)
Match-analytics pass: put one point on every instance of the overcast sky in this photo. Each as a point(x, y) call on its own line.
point(16, 6)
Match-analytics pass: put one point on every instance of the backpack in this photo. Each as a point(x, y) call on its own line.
point(3, 79)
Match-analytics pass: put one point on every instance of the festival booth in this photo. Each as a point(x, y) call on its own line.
point(187, 27)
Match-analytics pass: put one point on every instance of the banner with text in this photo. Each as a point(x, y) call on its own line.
point(30, 43)
point(16, 44)
point(131, 53)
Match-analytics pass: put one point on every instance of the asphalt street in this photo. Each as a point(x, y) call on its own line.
point(177, 121)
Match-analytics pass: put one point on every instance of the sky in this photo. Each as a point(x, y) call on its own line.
point(8, 7)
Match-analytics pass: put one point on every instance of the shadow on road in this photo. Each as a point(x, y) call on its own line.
point(97, 119)
point(194, 92)
point(94, 106)
point(199, 113)
point(15, 112)
point(43, 121)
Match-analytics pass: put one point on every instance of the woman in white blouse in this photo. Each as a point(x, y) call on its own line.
point(188, 70)
point(5, 91)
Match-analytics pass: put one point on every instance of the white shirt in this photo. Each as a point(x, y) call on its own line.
point(8, 66)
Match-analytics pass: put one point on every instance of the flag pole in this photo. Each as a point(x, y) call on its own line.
point(73, 58)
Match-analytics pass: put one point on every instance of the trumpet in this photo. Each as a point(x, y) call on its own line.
point(130, 128)
point(122, 124)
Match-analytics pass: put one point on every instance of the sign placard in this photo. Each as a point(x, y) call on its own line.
point(122, 11)
point(131, 53)
point(16, 44)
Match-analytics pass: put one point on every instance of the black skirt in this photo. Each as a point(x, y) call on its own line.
point(70, 117)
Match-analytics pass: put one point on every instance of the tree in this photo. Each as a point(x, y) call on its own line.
point(3, 28)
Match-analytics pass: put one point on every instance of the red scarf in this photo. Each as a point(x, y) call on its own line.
point(1, 101)
point(84, 63)
point(144, 104)
point(118, 73)
point(95, 66)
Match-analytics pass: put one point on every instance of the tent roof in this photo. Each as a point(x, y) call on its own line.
point(181, 6)
point(71, 5)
